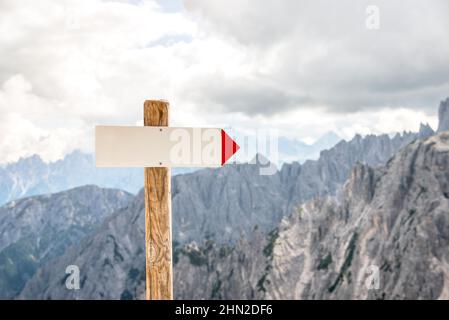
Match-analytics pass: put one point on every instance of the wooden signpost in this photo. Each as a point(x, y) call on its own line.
point(157, 147)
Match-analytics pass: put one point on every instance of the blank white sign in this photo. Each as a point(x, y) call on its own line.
point(121, 146)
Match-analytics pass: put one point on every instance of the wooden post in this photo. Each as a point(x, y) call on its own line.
point(159, 280)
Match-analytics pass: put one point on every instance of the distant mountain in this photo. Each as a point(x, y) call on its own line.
point(37, 229)
point(295, 150)
point(289, 149)
point(32, 176)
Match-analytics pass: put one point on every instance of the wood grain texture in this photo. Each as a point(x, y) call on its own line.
point(159, 281)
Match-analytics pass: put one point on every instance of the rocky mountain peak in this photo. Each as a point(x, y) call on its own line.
point(443, 116)
point(425, 131)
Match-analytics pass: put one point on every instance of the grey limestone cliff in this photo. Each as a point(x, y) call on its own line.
point(394, 218)
point(38, 229)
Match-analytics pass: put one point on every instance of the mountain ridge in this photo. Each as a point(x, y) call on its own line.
point(38, 229)
point(131, 287)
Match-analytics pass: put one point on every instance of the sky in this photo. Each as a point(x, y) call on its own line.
point(303, 68)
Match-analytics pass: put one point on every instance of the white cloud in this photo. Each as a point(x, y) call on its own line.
point(32, 125)
point(324, 53)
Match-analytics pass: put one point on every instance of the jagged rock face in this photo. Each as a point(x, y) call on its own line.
point(425, 131)
point(108, 260)
point(221, 271)
point(326, 175)
point(225, 204)
point(443, 116)
point(396, 218)
point(38, 229)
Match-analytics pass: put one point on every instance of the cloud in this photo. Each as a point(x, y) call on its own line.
point(322, 50)
point(302, 67)
point(27, 128)
point(251, 96)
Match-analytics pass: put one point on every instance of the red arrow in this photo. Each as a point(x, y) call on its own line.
point(228, 147)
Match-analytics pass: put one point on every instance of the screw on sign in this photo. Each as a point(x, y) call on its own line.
point(158, 147)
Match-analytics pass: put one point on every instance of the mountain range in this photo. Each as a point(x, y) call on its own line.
point(392, 219)
point(32, 176)
point(307, 231)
